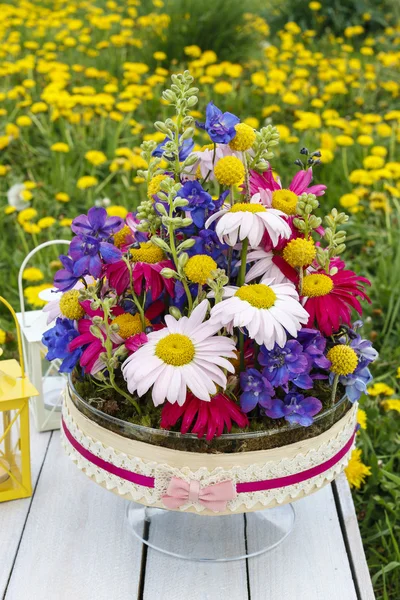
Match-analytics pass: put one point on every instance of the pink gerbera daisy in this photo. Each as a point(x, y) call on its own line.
point(328, 299)
point(212, 417)
point(147, 262)
point(284, 199)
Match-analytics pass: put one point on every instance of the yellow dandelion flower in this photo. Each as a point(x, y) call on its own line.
point(380, 389)
point(391, 404)
point(96, 157)
point(87, 181)
point(362, 418)
point(356, 471)
point(32, 274)
point(59, 147)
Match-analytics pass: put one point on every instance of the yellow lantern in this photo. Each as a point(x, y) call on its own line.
point(15, 391)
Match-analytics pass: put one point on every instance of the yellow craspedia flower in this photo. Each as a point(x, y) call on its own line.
point(223, 87)
point(199, 268)
point(32, 274)
point(121, 236)
point(244, 138)
point(343, 358)
point(70, 306)
point(24, 121)
point(62, 197)
point(380, 389)
point(229, 170)
point(60, 147)
point(96, 157)
point(362, 418)
point(349, 200)
point(356, 471)
point(117, 211)
point(299, 252)
point(344, 140)
point(391, 404)
point(285, 200)
point(155, 185)
point(130, 324)
point(86, 181)
point(46, 222)
point(32, 292)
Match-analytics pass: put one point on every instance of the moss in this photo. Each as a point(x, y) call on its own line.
point(116, 414)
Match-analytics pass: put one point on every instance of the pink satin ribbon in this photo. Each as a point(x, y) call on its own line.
point(214, 497)
point(184, 492)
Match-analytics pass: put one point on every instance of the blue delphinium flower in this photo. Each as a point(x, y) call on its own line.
point(314, 345)
point(57, 340)
point(289, 363)
point(65, 279)
point(199, 200)
point(256, 390)
point(219, 126)
point(295, 408)
point(355, 384)
point(97, 224)
point(184, 149)
point(207, 242)
point(364, 350)
point(86, 250)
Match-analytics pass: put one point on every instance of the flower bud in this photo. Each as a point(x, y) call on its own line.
point(175, 312)
point(168, 273)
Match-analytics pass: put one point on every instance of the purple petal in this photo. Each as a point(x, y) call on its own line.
point(97, 217)
point(81, 266)
point(276, 411)
point(311, 405)
point(110, 253)
point(95, 266)
point(81, 225)
point(248, 401)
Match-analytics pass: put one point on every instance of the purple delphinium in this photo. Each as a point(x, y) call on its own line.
point(199, 200)
point(355, 384)
point(207, 242)
point(86, 250)
point(289, 363)
point(314, 345)
point(96, 223)
point(65, 279)
point(57, 340)
point(219, 126)
point(256, 390)
point(185, 148)
point(295, 408)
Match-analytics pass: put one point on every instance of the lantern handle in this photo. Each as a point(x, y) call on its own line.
point(19, 340)
point(22, 268)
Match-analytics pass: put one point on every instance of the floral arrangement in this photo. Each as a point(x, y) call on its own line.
point(223, 297)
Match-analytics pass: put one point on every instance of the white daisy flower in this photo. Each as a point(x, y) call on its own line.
point(249, 220)
point(185, 354)
point(268, 311)
point(263, 267)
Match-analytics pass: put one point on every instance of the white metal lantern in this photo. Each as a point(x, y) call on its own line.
point(45, 375)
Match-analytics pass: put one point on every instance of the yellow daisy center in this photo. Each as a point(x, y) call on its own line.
point(199, 268)
point(155, 185)
point(244, 138)
point(299, 252)
point(130, 324)
point(121, 235)
point(175, 349)
point(317, 284)
point(147, 253)
point(229, 170)
point(285, 200)
point(343, 358)
point(70, 307)
point(246, 207)
point(257, 294)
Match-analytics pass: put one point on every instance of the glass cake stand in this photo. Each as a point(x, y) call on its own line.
point(190, 536)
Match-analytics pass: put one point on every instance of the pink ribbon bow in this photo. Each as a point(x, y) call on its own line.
point(214, 497)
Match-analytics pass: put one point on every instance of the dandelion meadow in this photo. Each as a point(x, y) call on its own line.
point(80, 88)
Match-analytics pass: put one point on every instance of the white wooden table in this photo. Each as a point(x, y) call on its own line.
point(70, 542)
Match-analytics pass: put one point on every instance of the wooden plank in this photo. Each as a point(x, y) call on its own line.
point(76, 543)
point(312, 564)
point(168, 578)
point(13, 514)
point(352, 537)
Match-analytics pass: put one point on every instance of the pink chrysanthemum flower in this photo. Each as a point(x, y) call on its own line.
point(147, 263)
point(329, 299)
point(212, 417)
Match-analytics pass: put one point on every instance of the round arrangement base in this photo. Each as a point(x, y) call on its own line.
point(213, 539)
